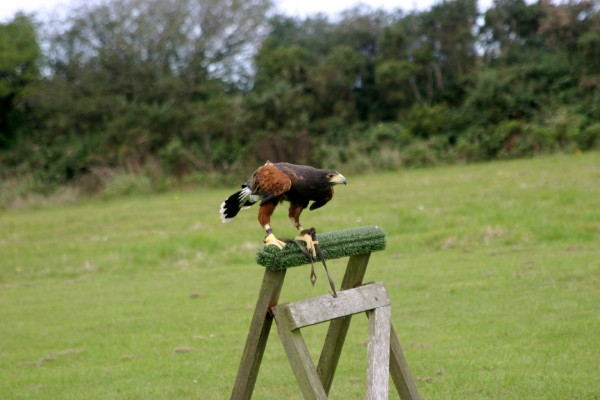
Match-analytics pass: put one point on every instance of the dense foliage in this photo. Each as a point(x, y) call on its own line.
point(175, 88)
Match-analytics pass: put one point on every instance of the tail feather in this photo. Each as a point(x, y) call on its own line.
point(236, 202)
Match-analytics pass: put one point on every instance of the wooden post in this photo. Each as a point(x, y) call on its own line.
point(378, 353)
point(338, 328)
point(405, 385)
point(258, 335)
point(299, 356)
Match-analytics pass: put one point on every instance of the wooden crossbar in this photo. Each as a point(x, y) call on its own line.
point(325, 308)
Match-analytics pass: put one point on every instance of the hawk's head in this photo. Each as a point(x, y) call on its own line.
point(335, 177)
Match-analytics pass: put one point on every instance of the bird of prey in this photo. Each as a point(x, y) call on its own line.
point(276, 182)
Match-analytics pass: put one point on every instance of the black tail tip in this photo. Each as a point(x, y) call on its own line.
point(230, 207)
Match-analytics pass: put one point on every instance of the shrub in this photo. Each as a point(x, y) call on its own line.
point(590, 137)
point(427, 121)
point(418, 154)
point(127, 184)
point(567, 128)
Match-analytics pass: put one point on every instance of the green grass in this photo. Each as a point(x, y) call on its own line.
point(493, 271)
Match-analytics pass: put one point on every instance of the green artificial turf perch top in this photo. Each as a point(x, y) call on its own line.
point(336, 244)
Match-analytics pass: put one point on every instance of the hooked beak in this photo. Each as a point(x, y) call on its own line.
point(339, 178)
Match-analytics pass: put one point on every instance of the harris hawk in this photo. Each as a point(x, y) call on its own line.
point(276, 182)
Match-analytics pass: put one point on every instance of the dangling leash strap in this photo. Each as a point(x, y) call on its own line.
point(313, 277)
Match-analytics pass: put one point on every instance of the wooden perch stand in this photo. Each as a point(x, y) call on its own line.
point(385, 355)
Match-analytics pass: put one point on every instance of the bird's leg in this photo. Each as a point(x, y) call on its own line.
point(306, 234)
point(309, 236)
point(264, 217)
point(306, 237)
point(270, 239)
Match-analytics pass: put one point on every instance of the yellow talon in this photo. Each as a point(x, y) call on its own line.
point(310, 243)
point(271, 240)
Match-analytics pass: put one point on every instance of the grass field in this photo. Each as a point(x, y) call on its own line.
point(493, 271)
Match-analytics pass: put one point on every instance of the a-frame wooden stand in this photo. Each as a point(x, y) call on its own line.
point(384, 350)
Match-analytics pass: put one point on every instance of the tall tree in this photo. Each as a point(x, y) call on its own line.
point(447, 50)
point(132, 72)
point(19, 57)
point(510, 27)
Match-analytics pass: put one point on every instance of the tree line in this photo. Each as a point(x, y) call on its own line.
point(175, 88)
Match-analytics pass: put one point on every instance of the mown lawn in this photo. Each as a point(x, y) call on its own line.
point(493, 271)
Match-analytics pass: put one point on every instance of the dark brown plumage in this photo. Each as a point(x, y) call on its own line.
point(273, 183)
